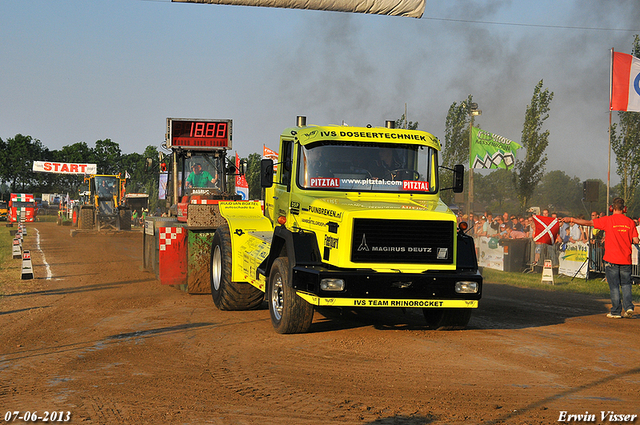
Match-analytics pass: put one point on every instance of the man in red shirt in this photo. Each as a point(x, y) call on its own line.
point(620, 234)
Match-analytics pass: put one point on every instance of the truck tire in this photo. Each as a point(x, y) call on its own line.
point(86, 218)
point(228, 295)
point(289, 313)
point(445, 319)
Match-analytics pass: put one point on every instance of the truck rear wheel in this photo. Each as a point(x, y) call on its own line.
point(447, 318)
point(228, 295)
point(290, 314)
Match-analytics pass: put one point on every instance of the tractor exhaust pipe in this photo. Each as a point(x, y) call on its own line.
point(301, 121)
point(390, 124)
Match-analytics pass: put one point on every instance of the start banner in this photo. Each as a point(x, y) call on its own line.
point(64, 167)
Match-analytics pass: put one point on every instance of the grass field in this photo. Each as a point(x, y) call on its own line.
point(9, 267)
point(595, 286)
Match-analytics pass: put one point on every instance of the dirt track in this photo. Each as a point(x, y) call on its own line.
point(103, 340)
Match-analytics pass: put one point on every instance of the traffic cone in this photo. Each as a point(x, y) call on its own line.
point(547, 272)
point(17, 248)
point(27, 268)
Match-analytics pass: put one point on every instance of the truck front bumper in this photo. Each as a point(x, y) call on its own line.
point(368, 288)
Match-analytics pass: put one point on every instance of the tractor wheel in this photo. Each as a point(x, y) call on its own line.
point(125, 219)
point(290, 314)
point(86, 218)
point(445, 319)
point(228, 295)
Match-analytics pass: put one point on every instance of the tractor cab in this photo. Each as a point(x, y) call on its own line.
point(203, 172)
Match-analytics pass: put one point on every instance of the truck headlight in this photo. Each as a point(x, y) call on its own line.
point(332, 284)
point(466, 287)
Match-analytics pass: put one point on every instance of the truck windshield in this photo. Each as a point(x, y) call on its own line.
point(202, 172)
point(19, 204)
point(368, 167)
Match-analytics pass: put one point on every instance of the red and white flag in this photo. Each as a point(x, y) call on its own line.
point(625, 83)
point(270, 154)
point(242, 188)
point(547, 229)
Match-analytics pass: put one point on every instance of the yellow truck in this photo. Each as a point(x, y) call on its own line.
point(352, 219)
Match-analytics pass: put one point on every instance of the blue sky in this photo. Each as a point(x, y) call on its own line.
point(83, 70)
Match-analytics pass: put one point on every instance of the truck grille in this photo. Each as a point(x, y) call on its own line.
point(402, 241)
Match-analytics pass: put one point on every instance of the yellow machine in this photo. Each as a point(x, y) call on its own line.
point(4, 211)
point(103, 207)
point(353, 218)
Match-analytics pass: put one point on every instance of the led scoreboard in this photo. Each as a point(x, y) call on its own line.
point(198, 134)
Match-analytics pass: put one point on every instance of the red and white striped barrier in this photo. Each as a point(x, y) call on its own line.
point(17, 248)
point(27, 267)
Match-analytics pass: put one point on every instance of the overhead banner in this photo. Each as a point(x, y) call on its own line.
point(408, 8)
point(491, 151)
point(64, 167)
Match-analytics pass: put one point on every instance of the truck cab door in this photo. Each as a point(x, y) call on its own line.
point(284, 180)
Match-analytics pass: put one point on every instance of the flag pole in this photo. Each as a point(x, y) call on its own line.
point(470, 197)
point(610, 113)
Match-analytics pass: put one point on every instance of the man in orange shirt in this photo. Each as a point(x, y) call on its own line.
point(620, 234)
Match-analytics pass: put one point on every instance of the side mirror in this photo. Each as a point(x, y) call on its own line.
point(458, 178)
point(266, 173)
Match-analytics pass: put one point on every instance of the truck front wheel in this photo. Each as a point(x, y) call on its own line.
point(290, 314)
point(447, 318)
point(228, 295)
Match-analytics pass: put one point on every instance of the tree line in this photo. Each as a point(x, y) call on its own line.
point(527, 184)
point(18, 153)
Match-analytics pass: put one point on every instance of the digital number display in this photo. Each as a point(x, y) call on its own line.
point(198, 134)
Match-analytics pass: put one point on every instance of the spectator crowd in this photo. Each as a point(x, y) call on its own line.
point(512, 226)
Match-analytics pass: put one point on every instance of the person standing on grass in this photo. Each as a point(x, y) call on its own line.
point(620, 234)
